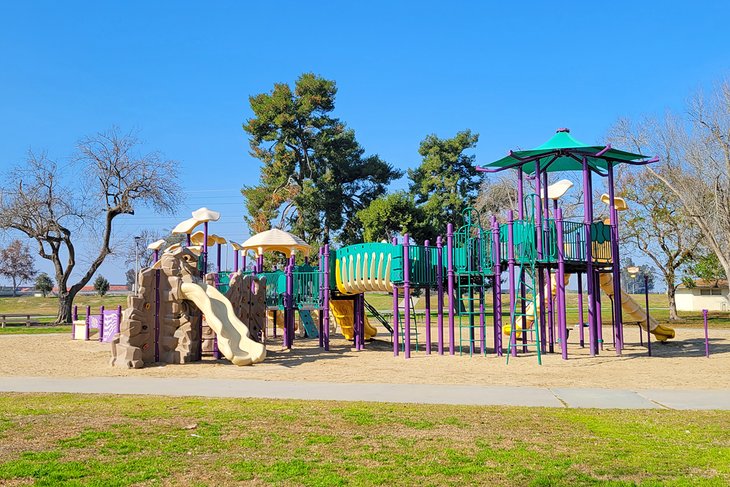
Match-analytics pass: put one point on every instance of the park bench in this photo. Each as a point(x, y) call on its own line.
point(18, 319)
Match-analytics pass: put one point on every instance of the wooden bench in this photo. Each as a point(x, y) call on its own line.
point(18, 319)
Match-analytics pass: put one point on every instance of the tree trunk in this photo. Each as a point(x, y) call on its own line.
point(65, 305)
point(15, 287)
point(671, 292)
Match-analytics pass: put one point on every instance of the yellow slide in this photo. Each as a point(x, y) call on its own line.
point(233, 340)
point(634, 312)
point(344, 312)
point(506, 329)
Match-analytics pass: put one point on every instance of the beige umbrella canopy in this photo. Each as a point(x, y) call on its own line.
point(201, 215)
point(275, 240)
point(197, 239)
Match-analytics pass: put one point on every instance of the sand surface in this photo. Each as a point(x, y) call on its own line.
point(678, 364)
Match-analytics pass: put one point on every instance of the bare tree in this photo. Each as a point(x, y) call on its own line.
point(695, 155)
point(16, 263)
point(37, 201)
point(656, 225)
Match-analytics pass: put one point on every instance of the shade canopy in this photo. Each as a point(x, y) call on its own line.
point(275, 240)
point(197, 239)
point(564, 153)
point(186, 227)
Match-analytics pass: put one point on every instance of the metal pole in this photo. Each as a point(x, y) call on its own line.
point(648, 330)
point(450, 282)
point(136, 265)
point(395, 312)
point(101, 323)
point(406, 297)
point(205, 249)
point(326, 306)
point(440, 294)
point(511, 268)
point(590, 277)
point(615, 263)
point(497, 303)
point(547, 257)
point(427, 250)
point(707, 335)
point(562, 321)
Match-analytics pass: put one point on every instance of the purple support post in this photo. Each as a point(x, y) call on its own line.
point(290, 291)
point(581, 332)
point(511, 269)
point(590, 277)
point(482, 322)
point(615, 264)
point(326, 306)
point(599, 309)
point(88, 323)
point(396, 349)
point(707, 334)
point(407, 298)
point(74, 317)
point(287, 309)
point(101, 323)
point(260, 263)
point(362, 321)
point(218, 257)
point(549, 285)
point(440, 294)
point(321, 296)
point(497, 304)
point(562, 321)
point(356, 321)
point(157, 315)
point(243, 261)
point(427, 248)
point(646, 296)
point(235, 260)
point(520, 194)
point(205, 248)
point(188, 242)
point(450, 282)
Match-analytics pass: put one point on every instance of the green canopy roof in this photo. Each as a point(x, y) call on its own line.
point(564, 153)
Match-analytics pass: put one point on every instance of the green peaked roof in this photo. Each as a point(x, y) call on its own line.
point(564, 153)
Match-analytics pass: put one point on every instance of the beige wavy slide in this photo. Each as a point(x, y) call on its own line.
point(233, 336)
point(634, 312)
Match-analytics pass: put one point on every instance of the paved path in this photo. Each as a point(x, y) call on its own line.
point(402, 393)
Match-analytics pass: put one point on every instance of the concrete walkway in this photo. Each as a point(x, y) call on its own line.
point(401, 393)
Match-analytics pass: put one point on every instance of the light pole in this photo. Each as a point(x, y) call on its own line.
point(136, 263)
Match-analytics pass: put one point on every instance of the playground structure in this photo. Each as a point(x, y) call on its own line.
point(165, 319)
point(536, 251)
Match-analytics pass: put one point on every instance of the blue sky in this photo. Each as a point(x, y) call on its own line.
point(181, 73)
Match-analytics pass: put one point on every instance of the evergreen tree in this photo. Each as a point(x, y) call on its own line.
point(315, 175)
point(446, 182)
point(101, 285)
point(44, 284)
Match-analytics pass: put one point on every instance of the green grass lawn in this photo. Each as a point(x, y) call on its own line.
point(97, 440)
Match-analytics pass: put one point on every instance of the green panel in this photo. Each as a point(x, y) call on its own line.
point(305, 283)
point(275, 288)
point(395, 251)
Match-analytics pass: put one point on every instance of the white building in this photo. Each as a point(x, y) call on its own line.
point(709, 295)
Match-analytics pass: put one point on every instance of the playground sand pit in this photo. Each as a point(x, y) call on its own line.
point(678, 364)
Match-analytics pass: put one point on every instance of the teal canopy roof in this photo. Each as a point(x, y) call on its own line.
point(564, 153)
